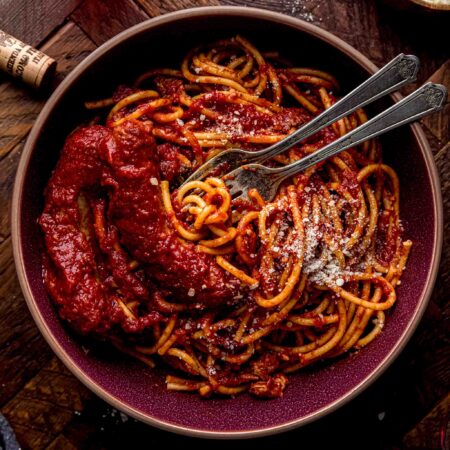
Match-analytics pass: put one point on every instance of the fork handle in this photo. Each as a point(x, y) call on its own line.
point(398, 72)
point(425, 100)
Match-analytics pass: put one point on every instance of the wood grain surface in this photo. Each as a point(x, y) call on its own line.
point(407, 408)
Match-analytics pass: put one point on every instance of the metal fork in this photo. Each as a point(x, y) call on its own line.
point(398, 72)
point(425, 100)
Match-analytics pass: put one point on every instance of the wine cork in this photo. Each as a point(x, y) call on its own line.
point(25, 62)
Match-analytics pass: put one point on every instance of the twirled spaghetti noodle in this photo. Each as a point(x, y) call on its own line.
point(235, 295)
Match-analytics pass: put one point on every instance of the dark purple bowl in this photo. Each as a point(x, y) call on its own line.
point(134, 388)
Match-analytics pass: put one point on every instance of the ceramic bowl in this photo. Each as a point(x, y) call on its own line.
point(133, 387)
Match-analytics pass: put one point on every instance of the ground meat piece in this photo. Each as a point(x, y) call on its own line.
point(265, 365)
point(271, 388)
point(169, 87)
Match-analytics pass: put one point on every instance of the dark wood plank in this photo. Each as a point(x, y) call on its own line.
point(20, 106)
point(33, 20)
point(23, 350)
point(428, 432)
point(439, 124)
point(61, 443)
point(46, 404)
point(158, 7)
point(7, 173)
point(116, 16)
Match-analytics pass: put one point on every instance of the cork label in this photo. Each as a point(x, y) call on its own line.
point(23, 61)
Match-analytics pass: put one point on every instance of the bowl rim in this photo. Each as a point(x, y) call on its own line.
point(16, 234)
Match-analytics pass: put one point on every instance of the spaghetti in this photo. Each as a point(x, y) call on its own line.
point(234, 295)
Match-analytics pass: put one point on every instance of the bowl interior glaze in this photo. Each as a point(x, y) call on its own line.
point(140, 391)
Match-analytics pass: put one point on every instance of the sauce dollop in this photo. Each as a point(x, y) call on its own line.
point(117, 172)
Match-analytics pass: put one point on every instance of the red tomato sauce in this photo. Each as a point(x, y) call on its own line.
point(119, 172)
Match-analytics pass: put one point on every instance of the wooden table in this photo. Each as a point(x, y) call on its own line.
point(407, 408)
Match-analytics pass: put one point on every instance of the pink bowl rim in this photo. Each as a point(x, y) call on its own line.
point(256, 13)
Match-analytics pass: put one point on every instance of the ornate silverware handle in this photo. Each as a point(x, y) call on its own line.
point(430, 97)
point(398, 72)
